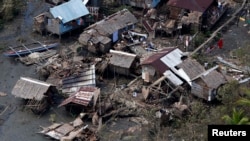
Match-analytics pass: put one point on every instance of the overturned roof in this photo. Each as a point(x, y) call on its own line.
point(69, 11)
point(194, 5)
point(29, 88)
point(121, 59)
point(83, 97)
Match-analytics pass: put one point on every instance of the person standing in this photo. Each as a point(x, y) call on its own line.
point(220, 43)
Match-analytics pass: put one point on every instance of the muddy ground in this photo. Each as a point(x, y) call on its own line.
point(17, 123)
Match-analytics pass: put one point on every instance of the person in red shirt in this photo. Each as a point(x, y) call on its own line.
point(220, 43)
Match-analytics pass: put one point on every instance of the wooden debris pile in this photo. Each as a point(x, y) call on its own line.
point(75, 130)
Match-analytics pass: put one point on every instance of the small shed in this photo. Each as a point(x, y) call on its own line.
point(62, 18)
point(100, 36)
point(86, 96)
point(38, 94)
point(206, 84)
point(122, 62)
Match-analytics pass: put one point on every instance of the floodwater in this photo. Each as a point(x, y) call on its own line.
point(16, 122)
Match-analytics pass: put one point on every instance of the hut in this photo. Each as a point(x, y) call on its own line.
point(122, 62)
point(206, 84)
point(155, 65)
point(99, 37)
point(37, 94)
point(85, 98)
point(62, 18)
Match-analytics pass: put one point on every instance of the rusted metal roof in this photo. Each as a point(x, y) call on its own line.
point(155, 60)
point(29, 88)
point(121, 59)
point(194, 5)
point(83, 97)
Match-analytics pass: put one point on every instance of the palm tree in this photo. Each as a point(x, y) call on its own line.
point(238, 118)
point(243, 101)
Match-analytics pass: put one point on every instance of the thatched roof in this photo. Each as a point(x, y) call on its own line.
point(109, 25)
point(121, 59)
point(212, 78)
point(29, 88)
point(191, 67)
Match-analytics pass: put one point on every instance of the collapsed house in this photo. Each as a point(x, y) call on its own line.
point(38, 94)
point(122, 62)
point(198, 13)
point(100, 37)
point(173, 65)
point(175, 16)
point(86, 97)
point(62, 18)
point(75, 130)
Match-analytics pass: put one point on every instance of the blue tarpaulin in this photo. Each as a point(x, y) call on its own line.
point(154, 3)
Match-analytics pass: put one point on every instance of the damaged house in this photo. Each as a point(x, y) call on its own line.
point(122, 62)
point(206, 84)
point(196, 12)
point(62, 18)
point(38, 94)
point(99, 37)
point(183, 15)
point(160, 63)
point(171, 64)
point(85, 98)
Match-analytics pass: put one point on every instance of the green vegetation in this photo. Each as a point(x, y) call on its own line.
point(8, 10)
point(238, 118)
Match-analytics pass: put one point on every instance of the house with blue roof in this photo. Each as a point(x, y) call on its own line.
point(62, 18)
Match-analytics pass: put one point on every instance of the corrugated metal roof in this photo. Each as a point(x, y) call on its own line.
point(85, 78)
point(160, 61)
point(173, 78)
point(121, 59)
point(29, 88)
point(173, 58)
point(69, 11)
point(83, 97)
point(194, 5)
point(157, 56)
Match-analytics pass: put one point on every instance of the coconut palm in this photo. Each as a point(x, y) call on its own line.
point(238, 118)
point(244, 101)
